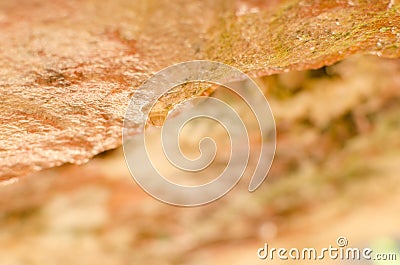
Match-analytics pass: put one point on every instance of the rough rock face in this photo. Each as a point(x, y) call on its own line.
point(69, 68)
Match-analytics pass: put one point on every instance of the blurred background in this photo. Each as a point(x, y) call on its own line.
point(335, 174)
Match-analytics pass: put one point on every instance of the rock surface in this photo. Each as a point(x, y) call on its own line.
point(69, 69)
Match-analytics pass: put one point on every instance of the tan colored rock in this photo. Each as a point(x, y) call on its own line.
point(69, 68)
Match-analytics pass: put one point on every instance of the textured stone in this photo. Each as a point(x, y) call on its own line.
point(69, 68)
